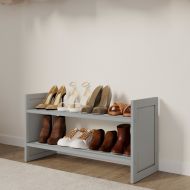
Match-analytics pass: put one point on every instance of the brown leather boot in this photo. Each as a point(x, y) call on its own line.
point(97, 139)
point(127, 150)
point(123, 138)
point(109, 141)
point(58, 130)
point(46, 129)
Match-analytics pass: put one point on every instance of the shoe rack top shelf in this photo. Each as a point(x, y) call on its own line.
point(79, 115)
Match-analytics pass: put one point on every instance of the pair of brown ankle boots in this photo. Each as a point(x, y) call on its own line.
point(52, 131)
point(112, 141)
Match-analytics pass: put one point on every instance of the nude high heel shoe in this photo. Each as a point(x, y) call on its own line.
point(47, 101)
point(94, 100)
point(58, 99)
point(104, 104)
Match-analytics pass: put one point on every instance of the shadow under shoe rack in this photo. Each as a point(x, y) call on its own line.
point(144, 136)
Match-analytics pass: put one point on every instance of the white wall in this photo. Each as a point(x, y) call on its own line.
point(141, 48)
point(11, 130)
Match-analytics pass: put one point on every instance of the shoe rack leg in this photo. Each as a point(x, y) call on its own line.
point(33, 127)
point(144, 138)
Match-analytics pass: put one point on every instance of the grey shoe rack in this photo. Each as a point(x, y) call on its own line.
point(144, 136)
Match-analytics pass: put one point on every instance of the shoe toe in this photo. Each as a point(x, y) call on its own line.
point(60, 142)
point(99, 110)
point(87, 109)
point(78, 143)
point(52, 141)
point(41, 106)
point(51, 107)
point(64, 141)
point(42, 140)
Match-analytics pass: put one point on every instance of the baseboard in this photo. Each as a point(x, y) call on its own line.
point(12, 140)
point(175, 167)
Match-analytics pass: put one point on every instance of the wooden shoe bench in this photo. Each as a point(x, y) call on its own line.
point(144, 136)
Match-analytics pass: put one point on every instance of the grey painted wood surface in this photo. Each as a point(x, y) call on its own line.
point(144, 132)
point(33, 126)
point(144, 136)
point(90, 154)
point(104, 117)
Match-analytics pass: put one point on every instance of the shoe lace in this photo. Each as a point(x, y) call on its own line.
point(85, 135)
point(72, 133)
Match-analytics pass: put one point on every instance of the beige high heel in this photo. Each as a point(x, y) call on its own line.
point(93, 101)
point(104, 104)
point(58, 99)
point(46, 102)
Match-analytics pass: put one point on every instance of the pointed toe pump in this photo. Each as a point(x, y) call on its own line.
point(58, 99)
point(47, 101)
point(93, 100)
point(104, 104)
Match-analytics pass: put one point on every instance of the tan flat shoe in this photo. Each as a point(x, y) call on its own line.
point(104, 104)
point(58, 99)
point(51, 94)
point(127, 111)
point(117, 109)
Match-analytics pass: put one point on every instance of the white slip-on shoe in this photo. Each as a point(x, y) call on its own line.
point(66, 140)
point(83, 141)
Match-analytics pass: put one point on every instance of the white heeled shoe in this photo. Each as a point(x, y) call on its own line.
point(83, 99)
point(86, 93)
point(83, 141)
point(70, 99)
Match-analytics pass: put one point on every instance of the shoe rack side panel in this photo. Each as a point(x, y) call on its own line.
point(33, 126)
point(144, 138)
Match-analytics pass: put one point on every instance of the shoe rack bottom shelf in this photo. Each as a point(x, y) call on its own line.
point(89, 154)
